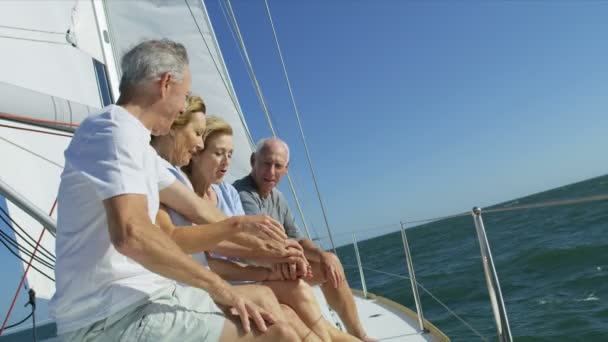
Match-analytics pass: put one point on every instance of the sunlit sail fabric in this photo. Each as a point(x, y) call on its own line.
point(42, 77)
point(177, 20)
point(37, 57)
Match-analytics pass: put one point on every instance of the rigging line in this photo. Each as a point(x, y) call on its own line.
point(350, 232)
point(296, 183)
point(30, 29)
point(231, 29)
point(438, 218)
point(21, 229)
point(594, 198)
point(35, 40)
point(548, 204)
point(20, 322)
point(24, 261)
point(230, 94)
point(36, 131)
point(32, 152)
point(540, 205)
point(47, 254)
point(266, 112)
point(303, 137)
point(250, 68)
point(249, 72)
point(435, 298)
point(24, 250)
point(29, 265)
point(453, 313)
point(15, 245)
point(26, 119)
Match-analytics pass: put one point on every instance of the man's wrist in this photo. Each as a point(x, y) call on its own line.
point(217, 287)
point(235, 222)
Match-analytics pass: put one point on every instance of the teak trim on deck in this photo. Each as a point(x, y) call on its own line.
point(433, 330)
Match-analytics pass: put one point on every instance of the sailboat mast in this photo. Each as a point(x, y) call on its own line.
point(106, 47)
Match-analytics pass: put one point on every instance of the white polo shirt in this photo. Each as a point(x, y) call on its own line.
point(110, 155)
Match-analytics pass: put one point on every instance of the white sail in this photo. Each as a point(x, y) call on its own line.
point(178, 20)
point(83, 32)
point(33, 164)
point(58, 82)
point(42, 77)
point(37, 57)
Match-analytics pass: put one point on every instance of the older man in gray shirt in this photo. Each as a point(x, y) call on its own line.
point(259, 195)
point(274, 205)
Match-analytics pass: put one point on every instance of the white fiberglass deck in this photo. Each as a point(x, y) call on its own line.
point(386, 320)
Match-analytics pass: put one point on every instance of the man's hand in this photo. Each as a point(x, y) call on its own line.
point(291, 243)
point(262, 226)
point(242, 307)
point(332, 268)
point(280, 249)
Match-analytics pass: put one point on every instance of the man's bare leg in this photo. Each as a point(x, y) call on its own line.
point(299, 296)
point(266, 299)
point(291, 316)
point(342, 301)
point(280, 331)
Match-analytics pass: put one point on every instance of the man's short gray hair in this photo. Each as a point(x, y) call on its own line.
point(264, 142)
point(150, 59)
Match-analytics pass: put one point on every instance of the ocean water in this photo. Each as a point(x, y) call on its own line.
point(552, 264)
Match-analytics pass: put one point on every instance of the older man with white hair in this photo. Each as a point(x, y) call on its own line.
point(259, 195)
point(116, 271)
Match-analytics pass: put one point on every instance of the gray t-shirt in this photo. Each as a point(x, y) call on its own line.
point(274, 205)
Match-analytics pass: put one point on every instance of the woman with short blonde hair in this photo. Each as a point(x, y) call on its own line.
point(206, 171)
point(177, 148)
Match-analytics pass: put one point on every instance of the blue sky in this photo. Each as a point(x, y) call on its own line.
point(418, 109)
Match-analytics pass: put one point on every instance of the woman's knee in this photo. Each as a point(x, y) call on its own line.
point(282, 331)
point(288, 314)
point(303, 292)
point(267, 298)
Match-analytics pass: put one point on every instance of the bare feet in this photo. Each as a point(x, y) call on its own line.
point(368, 339)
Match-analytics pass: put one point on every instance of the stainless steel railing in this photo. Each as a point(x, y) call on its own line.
point(491, 276)
point(410, 269)
point(498, 305)
point(360, 266)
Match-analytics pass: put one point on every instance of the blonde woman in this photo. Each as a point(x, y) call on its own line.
point(177, 148)
point(206, 172)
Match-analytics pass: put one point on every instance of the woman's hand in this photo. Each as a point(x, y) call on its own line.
point(275, 273)
point(262, 226)
point(240, 306)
